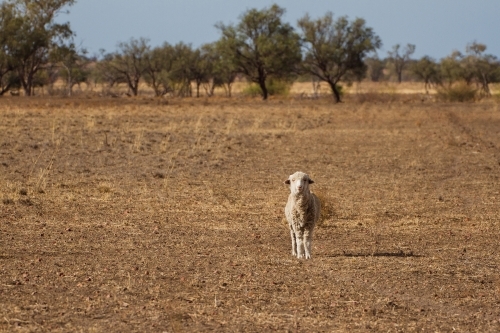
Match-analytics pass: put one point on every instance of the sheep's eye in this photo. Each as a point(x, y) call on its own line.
point(293, 179)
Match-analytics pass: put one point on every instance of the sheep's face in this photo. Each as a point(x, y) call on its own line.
point(299, 182)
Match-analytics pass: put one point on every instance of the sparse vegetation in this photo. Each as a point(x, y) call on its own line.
point(460, 92)
point(274, 88)
point(148, 219)
point(41, 57)
point(165, 213)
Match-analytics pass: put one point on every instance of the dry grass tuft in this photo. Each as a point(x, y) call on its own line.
point(328, 213)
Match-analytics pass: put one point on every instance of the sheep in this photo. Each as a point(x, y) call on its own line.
point(302, 212)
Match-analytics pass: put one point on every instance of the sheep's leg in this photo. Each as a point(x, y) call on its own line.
point(294, 243)
point(308, 242)
point(300, 244)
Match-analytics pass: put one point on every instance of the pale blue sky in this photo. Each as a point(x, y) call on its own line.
point(436, 27)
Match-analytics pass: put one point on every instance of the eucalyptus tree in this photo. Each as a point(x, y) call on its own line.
point(218, 68)
point(105, 72)
point(8, 25)
point(334, 50)
point(485, 68)
point(200, 68)
point(261, 46)
point(209, 59)
point(72, 63)
point(159, 66)
point(29, 33)
point(451, 69)
point(375, 68)
point(427, 70)
point(182, 69)
point(401, 58)
point(130, 62)
point(225, 70)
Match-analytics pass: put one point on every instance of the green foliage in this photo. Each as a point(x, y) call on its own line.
point(28, 33)
point(184, 65)
point(427, 70)
point(335, 49)
point(72, 63)
point(131, 61)
point(400, 60)
point(159, 66)
point(474, 67)
point(274, 88)
point(252, 90)
point(224, 70)
point(261, 46)
point(451, 68)
point(375, 68)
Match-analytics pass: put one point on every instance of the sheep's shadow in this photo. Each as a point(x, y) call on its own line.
point(399, 254)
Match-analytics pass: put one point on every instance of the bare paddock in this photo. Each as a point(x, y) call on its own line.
point(135, 215)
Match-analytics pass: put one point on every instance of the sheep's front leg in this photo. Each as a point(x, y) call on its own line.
point(308, 243)
point(294, 243)
point(299, 235)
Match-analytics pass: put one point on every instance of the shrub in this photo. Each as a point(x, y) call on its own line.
point(274, 88)
point(252, 90)
point(460, 92)
point(328, 212)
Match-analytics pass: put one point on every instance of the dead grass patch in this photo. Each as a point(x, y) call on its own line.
point(140, 215)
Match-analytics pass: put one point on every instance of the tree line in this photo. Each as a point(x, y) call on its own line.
point(261, 47)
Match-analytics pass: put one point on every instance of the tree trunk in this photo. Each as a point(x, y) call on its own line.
point(262, 84)
point(212, 90)
point(26, 87)
point(400, 76)
point(335, 91)
point(70, 85)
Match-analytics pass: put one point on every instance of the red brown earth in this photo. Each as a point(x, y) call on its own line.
point(134, 215)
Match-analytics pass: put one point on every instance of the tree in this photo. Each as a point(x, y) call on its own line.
point(472, 67)
point(32, 34)
point(105, 71)
point(375, 68)
point(201, 68)
point(485, 67)
point(8, 26)
point(131, 62)
point(182, 71)
point(400, 61)
point(451, 69)
point(72, 62)
point(427, 70)
point(262, 46)
point(208, 65)
point(225, 70)
point(335, 49)
point(159, 66)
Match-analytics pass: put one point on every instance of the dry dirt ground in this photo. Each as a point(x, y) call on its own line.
point(135, 215)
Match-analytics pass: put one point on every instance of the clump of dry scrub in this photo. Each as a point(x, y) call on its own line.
point(327, 207)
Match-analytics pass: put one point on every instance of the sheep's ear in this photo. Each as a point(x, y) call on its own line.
point(287, 181)
point(311, 181)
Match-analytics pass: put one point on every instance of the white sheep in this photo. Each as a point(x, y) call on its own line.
point(302, 212)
